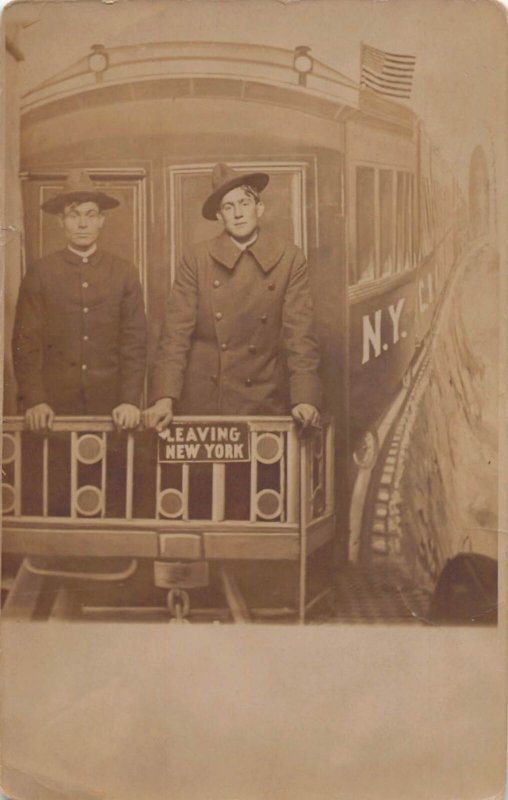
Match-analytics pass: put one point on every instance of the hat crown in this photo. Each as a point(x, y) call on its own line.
point(224, 179)
point(78, 188)
point(222, 173)
point(78, 181)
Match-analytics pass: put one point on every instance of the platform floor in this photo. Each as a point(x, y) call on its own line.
point(378, 596)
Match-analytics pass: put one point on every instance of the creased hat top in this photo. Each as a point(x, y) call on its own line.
point(79, 187)
point(224, 179)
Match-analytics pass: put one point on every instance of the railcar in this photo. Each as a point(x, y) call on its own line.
point(354, 181)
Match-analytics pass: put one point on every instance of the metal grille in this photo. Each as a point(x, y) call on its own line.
point(85, 468)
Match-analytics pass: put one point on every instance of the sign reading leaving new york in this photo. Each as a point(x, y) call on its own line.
point(207, 441)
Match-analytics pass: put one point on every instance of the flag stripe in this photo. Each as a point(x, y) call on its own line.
point(389, 94)
point(382, 86)
point(388, 87)
point(402, 61)
point(372, 51)
point(401, 82)
point(402, 70)
point(395, 55)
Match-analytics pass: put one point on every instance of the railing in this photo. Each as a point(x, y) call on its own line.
point(204, 490)
point(210, 471)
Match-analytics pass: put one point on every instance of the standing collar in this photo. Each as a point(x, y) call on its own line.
point(84, 253)
point(267, 250)
point(72, 257)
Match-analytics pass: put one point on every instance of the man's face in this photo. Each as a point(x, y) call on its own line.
point(240, 213)
point(82, 223)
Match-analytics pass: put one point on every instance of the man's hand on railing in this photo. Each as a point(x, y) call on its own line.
point(126, 416)
point(159, 415)
point(306, 415)
point(39, 418)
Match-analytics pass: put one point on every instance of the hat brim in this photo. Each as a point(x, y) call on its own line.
point(55, 205)
point(258, 181)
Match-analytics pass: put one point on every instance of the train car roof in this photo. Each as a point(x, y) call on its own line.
point(180, 69)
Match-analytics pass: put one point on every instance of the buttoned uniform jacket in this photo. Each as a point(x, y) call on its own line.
point(79, 340)
point(238, 336)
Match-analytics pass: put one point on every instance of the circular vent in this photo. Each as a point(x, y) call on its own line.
point(89, 501)
point(269, 448)
point(8, 448)
point(171, 503)
point(90, 448)
point(7, 498)
point(268, 504)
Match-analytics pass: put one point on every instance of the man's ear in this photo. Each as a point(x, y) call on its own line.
point(102, 219)
point(60, 218)
point(260, 209)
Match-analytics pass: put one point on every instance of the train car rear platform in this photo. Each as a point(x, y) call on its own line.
point(359, 595)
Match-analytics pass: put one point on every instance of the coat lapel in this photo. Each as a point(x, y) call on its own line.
point(267, 250)
point(224, 250)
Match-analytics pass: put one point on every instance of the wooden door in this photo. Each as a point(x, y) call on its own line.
point(124, 232)
point(188, 186)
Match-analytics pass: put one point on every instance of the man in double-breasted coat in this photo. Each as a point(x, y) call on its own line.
point(79, 344)
point(238, 337)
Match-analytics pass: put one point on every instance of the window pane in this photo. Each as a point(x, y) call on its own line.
point(386, 221)
point(402, 232)
point(409, 225)
point(414, 230)
point(427, 218)
point(365, 222)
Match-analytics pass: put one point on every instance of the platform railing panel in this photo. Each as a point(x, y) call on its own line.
point(86, 470)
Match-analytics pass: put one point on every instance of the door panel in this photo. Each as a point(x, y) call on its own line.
point(189, 186)
point(124, 232)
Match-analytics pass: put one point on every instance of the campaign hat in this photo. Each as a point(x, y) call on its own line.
point(224, 178)
point(78, 188)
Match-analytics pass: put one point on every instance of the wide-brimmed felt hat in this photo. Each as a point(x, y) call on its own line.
point(79, 188)
point(224, 178)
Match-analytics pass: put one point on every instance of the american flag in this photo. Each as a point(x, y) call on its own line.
point(387, 73)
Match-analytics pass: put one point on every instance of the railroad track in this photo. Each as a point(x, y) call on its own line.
point(375, 519)
point(382, 527)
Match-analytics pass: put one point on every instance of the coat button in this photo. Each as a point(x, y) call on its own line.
point(216, 284)
point(85, 310)
point(264, 318)
point(248, 382)
point(218, 315)
point(214, 378)
point(85, 338)
point(84, 285)
point(84, 367)
point(271, 286)
point(252, 348)
point(223, 346)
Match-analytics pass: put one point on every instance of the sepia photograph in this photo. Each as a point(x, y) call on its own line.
point(254, 338)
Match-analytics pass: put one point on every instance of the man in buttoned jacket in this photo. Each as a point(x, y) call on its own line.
point(238, 337)
point(79, 343)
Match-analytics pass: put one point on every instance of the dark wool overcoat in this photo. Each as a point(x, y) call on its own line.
point(79, 339)
point(238, 336)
